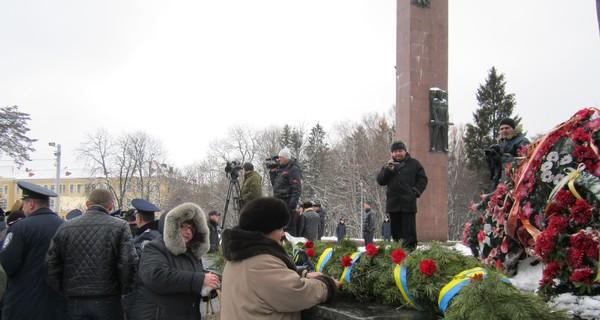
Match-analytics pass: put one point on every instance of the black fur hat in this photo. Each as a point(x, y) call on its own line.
point(264, 215)
point(398, 145)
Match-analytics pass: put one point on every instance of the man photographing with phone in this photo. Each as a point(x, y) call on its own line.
point(406, 180)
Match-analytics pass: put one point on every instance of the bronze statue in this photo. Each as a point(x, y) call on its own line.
point(438, 105)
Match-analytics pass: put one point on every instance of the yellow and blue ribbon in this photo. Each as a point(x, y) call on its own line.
point(460, 280)
point(400, 277)
point(323, 259)
point(346, 274)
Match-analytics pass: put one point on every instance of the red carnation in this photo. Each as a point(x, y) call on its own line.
point(476, 277)
point(558, 223)
point(581, 212)
point(564, 198)
point(346, 261)
point(398, 256)
point(481, 236)
point(551, 270)
point(545, 242)
point(582, 275)
point(580, 135)
point(428, 267)
point(309, 244)
point(310, 252)
point(371, 250)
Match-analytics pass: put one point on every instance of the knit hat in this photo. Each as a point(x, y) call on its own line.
point(264, 215)
point(248, 166)
point(285, 153)
point(509, 122)
point(398, 145)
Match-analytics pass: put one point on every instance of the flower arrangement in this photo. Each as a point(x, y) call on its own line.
point(548, 208)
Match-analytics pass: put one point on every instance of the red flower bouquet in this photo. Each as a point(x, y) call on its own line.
point(428, 267)
point(398, 256)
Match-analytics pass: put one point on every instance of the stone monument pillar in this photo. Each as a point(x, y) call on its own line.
point(421, 66)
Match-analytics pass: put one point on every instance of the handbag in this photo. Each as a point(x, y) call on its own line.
point(210, 306)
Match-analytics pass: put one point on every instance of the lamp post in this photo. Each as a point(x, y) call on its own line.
point(57, 187)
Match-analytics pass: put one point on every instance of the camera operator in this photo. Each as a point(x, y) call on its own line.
point(497, 156)
point(406, 180)
point(286, 180)
point(252, 185)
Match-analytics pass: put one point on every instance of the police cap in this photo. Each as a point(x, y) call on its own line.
point(33, 191)
point(143, 206)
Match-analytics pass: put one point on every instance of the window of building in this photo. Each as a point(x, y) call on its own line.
point(5, 189)
point(72, 188)
point(78, 188)
point(51, 187)
point(63, 188)
point(4, 204)
point(128, 205)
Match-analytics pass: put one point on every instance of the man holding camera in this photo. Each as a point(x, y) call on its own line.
point(406, 180)
point(252, 185)
point(286, 180)
point(497, 156)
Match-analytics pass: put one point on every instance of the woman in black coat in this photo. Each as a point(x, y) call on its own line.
point(170, 277)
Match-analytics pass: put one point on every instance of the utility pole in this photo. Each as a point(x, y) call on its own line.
point(57, 187)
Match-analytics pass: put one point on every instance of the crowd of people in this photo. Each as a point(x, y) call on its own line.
point(98, 266)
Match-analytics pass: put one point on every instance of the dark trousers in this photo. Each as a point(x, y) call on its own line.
point(368, 237)
point(95, 308)
point(404, 227)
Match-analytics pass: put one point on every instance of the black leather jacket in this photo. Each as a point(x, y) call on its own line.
point(92, 255)
point(287, 183)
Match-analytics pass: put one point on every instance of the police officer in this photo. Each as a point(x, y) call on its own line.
point(27, 295)
point(147, 225)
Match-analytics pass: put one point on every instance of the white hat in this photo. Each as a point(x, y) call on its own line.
point(285, 153)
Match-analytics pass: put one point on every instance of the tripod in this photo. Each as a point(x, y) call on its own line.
point(234, 190)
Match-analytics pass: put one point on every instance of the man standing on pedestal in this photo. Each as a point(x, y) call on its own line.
point(286, 180)
point(406, 180)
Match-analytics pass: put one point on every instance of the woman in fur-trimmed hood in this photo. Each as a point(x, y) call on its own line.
point(170, 275)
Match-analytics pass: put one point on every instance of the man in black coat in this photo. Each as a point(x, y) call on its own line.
point(92, 260)
point(214, 230)
point(27, 294)
point(147, 225)
point(406, 180)
point(319, 210)
point(287, 185)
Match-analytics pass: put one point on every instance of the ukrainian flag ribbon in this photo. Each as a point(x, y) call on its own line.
point(346, 274)
point(400, 277)
point(323, 259)
point(460, 280)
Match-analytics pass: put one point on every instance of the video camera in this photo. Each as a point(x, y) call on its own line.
point(232, 169)
point(492, 151)
point(272, 162)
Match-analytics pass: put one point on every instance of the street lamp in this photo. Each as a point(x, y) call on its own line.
point(57, 187)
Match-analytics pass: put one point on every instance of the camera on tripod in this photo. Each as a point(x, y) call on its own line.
point(272, 162)
point(232, 169)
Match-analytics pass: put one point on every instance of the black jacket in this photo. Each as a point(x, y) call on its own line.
point(287, 183)
point(27, 294)
point(170, 276)
point(92, 255)
point(404, 185)
point(215, 230)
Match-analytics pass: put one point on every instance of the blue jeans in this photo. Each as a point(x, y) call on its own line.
point(95, 308)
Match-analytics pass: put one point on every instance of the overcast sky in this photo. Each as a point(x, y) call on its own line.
point(185, 71)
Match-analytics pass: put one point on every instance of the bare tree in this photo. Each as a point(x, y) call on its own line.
point(463, 183)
